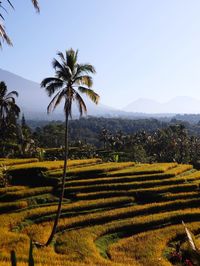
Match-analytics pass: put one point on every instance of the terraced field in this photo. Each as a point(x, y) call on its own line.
point(113, 213)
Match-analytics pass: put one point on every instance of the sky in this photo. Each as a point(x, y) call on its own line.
point(140, 48)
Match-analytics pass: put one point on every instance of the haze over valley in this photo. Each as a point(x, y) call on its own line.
point(33, 101)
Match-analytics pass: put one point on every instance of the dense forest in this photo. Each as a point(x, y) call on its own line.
point(88, 130)
point(143, 140)
point(147, 140)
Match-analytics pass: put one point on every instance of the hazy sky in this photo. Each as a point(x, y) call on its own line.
point(140, 48)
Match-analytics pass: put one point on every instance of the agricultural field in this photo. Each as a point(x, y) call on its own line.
point(113, 213)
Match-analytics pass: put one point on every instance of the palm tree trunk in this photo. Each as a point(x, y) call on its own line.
point(53, 232)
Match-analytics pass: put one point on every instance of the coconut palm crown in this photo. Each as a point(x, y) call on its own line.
point(70, 80)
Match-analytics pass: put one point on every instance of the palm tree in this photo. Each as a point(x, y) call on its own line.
point(70, 79)
point(8, 106)
point(9, 112)
point(3, 34)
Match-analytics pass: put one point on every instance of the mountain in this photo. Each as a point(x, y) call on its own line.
point(146, 105)
point(33, 100)
point(177, 105)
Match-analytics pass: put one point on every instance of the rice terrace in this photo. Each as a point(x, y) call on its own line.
point(113, 213)
point(104, 171)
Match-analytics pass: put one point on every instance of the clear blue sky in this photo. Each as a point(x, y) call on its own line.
point(140, 48)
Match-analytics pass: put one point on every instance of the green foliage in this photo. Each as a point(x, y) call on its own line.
point(116, 157)
point(145, 140)
point(41, 154)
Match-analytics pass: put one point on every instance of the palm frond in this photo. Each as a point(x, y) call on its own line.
point(1, 16)
point(4, 36)
point(36, 5)
point(49, 80)
point(3, 89)
point(9, 2)
point(10, 100)
point(76, 56)
point(66, 74)
point(61, 55)
point(57, 65)
point(11, 94)
point(71, 56)
point(15, 109)
point(2, 7)
point(85, 68)
point(62, 70)
point(51, 85)
point(90, 93)
point(80, 103)
point(84, 80)
point(51, 105)
point(62, 95)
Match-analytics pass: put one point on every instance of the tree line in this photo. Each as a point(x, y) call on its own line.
point(145, 140)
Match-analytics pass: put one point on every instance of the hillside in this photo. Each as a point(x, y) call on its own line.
point(113, 213)
point(177, 105)
point(34, 101)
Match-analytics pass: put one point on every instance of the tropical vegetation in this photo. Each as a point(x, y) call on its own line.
point(9, 112)
point(123, 204)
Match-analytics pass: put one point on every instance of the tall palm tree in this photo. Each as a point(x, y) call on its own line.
point(3, 34)
point(8, 105)
point(70, 79)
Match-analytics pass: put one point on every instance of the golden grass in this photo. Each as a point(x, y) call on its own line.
point(85, 250)
point(26, 192)
point(11, 189)
point(11, 206)
point(9, 162)
point(145, 169)
point(51, 165)
point(140, 247)
point(111, 184)
point(174, 188)
point(94, 169)
point(86, 221)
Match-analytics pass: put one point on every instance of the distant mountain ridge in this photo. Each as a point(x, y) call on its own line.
point(33, 100)
point(177, 105)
